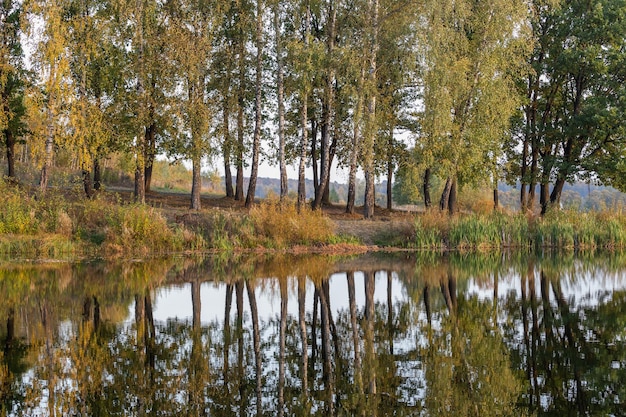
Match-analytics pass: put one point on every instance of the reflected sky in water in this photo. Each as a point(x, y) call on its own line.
point(386, 334)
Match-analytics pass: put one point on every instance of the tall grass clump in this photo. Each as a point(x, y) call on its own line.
point(431, 229)
point(475, 232)
point(226, 231)
point(485, 231)
point(573, 229)
point(555, 229)
point(280, 225)
point(138, 229)
point(436, 230)
point(611, 230)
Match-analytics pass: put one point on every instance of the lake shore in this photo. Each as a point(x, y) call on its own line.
point(67, 225)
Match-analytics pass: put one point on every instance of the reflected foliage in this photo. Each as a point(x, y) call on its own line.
point(375, 335)
point(467, 366)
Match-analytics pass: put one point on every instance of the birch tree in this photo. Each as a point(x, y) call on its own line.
point(258, 110)
point(142, 100)
point(371, 125)
point(192, 31)
point(473, 52)
point(46, 106)
point(89, 124)
point(304, 92)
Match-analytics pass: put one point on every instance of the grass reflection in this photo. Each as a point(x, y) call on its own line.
point(398, 334)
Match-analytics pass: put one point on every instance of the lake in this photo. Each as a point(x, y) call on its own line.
point(380, 334)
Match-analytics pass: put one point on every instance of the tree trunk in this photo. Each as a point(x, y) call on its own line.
point(327, 108)
point(256, 143)
point(196, 182)
point(150, 155)
point(280, 92)
point(314, 155)
point(140, 190)
point(370, 198)
point(226, 150)
point(452, 202)
point(87, 183)
point(496, 196)
point(303, 154)
point(496, 199)
point(333, 149)
point(524, 161)
point(97, 173)
point(356, 145)
point(389, 184)
point(557, 190)
point(10, 144)
point(240, 117)
point(371, 125)
point(427, 201)
point(47, 165)
point(544, 197)
point(445, 195)
point(532, 198)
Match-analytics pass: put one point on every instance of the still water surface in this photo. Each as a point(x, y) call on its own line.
point(379, 334)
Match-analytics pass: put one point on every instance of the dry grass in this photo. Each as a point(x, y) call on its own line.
point(282, 225)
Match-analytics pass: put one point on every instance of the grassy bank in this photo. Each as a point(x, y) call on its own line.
point(68, 225)
point(557, 229)
point(63, 224)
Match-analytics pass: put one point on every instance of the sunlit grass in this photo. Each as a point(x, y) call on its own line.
point(557, 229)
point(283, 225)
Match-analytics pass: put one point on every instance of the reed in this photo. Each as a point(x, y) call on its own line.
point(431, 230)
point(475, 232)
point(557, 229)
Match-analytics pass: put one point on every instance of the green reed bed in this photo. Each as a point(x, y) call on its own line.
point(557, 229)
point(485, 232)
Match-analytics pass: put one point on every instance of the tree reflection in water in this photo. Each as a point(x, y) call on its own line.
point(377, 335)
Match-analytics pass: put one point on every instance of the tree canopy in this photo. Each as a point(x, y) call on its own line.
point(530, 91)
